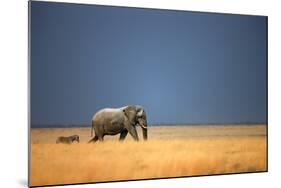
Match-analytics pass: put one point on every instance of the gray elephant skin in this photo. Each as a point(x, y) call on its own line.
point(113, 121)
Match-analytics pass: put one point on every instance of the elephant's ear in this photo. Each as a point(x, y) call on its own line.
point(130, 113)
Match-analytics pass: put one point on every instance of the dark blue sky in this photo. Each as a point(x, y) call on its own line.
point(183, 67)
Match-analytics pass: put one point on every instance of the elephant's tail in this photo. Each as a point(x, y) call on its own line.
point(92, 128)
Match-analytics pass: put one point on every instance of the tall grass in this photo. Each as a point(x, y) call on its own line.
point(156, 158)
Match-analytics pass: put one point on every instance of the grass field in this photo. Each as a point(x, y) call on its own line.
point(169, 152)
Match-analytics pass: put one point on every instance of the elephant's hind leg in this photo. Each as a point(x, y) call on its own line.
point(123, 135)
point(94, 139)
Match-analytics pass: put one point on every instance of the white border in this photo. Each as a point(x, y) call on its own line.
point(13, 93)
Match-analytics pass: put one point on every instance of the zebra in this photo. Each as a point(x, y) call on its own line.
point(67, 140)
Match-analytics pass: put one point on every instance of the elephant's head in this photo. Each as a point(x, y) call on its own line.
point(136, 115)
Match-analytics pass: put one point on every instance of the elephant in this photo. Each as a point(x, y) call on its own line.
point(113, 121)
point(67, 140)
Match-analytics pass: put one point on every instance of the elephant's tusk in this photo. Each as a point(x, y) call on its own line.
point(143, 126)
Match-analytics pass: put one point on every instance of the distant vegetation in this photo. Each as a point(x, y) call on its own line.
point(155, 124)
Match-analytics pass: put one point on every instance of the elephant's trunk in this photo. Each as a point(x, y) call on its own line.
point(144, 133)
point(143, 124)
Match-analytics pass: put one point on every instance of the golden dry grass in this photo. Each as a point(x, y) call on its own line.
point(169, 152)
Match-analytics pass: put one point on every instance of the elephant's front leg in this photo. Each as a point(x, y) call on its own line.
point(133, 132)
point(123, 135)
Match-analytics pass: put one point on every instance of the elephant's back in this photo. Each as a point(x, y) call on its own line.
point(106, 112)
